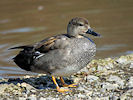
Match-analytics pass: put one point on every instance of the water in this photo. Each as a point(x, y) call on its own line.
point(26, 22)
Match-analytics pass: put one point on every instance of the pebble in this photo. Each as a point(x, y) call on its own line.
point(22, 98)
point(130, 83)
point(91, 78)
point(32, 97)
point(117, 80)
point(104, 98)
point(3, 87)
point(81, 95)
point(80, 88)
point(121, 60)
point(89, 93)
point(77, 80)
point(131, 65)
point(108, 86)
point(41, 98)
point(109, 66)
point(101, 68)
point(23, 84)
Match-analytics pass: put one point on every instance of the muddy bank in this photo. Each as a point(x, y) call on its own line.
point(102, 79)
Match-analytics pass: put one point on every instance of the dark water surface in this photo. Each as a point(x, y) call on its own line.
point(28, 21)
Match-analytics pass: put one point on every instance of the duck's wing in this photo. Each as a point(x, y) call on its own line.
point(55, 42)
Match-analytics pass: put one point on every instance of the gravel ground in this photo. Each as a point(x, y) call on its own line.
point(102, 79)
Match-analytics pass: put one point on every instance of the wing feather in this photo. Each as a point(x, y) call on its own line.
point(55, 42)
point(47, 44)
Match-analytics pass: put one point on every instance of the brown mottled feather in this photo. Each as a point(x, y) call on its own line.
point(55, 42)
point(45, 45)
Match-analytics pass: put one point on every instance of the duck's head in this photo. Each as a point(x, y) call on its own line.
point(78, 27)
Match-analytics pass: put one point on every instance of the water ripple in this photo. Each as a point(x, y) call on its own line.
point(110, 47)
point(25, 29)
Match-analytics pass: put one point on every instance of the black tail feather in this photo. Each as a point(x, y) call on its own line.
point(22, 47)
point(25, 57)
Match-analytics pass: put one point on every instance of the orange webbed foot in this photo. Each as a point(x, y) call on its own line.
point(61, 90)
point(70, 85)
point(66, 85)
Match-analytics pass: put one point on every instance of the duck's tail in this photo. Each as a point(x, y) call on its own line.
point(26, 47)
point(24, 58)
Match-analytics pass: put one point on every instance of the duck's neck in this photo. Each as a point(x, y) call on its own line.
point(77, 36)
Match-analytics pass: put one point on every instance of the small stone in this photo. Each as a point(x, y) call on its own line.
point(22, 98)
point(89, 93)
point(108, 86)
point(104, 98)
point(109, 66)
point(77, 80)
point(131, 65)
point(117, 80)
point(24, 84)
point(3, 87)
point(80, 88)
point(121, 60)
point(27, 86)
point(101, 68)
point(130, 83)
point(85, 69)
point(92, 69)
point(124, 96)
point(18, 84)
point(41, 98)
point(113, 97)
point(32, 97)
point(51, 98)
point(81, 95)
point(33, 90)
point(92, 78)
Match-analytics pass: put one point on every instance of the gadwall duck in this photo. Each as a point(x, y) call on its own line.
point(60, 55)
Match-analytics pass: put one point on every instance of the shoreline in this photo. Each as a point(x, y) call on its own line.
point(109, 78)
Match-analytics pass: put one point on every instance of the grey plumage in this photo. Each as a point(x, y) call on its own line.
point(76, 55)
point(60, 55)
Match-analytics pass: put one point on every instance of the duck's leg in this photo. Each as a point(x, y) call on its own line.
point(58, 88)
point(66, 85)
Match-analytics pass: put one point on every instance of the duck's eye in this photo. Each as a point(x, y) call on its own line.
point(80, 24)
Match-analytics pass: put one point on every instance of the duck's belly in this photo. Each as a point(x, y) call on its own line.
point(66, 62)
point(67, 71)
point(71, 68)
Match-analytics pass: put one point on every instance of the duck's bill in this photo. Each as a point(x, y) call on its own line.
point(90, 31)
